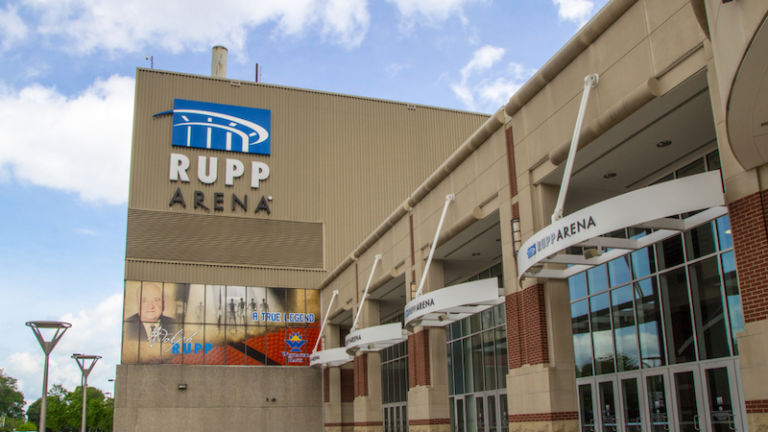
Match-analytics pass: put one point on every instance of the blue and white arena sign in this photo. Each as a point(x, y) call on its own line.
point(220, 127)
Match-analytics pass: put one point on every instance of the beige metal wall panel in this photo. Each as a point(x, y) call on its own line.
point(342, 161)
point(137, 269)
point(235, 240)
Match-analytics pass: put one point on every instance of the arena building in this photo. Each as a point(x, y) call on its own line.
point(462, 272)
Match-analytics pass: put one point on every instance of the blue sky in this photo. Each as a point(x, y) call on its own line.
point(66, 106)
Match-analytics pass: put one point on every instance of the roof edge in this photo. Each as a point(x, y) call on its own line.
point(572, 49)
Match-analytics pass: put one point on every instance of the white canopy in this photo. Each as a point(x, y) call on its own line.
point(649, 208)
point(374, 338)
point(441, 307)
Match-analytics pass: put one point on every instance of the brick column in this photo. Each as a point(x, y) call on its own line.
point(541, 383)
point(749, 228)
point(541, 372)
point(428, 409)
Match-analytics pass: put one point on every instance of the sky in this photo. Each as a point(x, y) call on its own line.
point(66, 109)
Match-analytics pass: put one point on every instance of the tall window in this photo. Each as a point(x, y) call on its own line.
point(394, 384)
point(477, 367)
point(674, 302)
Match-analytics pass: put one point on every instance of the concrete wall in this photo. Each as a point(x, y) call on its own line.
point(217, 398)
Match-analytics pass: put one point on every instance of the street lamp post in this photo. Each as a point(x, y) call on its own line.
point(86, 363)
point(58, 328)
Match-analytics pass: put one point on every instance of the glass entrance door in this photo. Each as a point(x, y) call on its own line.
point(598, 408)
point(706, 397)
point(479, 412)
point(723, 403)
point(687, 401)
point(696, 397)
point(657, 402)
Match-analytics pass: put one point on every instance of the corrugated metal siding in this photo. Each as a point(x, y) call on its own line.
point(217, 239)
point(344, 161)
point(137, 269)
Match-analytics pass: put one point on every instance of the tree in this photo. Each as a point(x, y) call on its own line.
point(65, 409)
point(11, 402)
point(98, 412)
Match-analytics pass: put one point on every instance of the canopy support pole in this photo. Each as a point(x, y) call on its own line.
point(325, 319)
point(448, 199)
point(365, 293)
point(590, 81)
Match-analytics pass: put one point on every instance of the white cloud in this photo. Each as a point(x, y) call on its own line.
point(79, 144)
point(482, 59)
point(498, 91)
point(346, 21)
point(485, 86)
point(431, 11)
point(578, 11)
point(12, 28)
point(178, 25)
point(94, 331)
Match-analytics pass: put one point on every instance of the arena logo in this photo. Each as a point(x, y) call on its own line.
point(352, 339)
point(213, 126)
point(229, 128)
point(561, 233)
point(430, 302)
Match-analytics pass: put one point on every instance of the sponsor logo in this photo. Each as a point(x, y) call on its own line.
point(295, 341)
point(419, 306)
point(560, 234)
point(220, 127)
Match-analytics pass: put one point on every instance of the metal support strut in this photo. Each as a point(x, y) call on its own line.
point(325, 320)
point(590, 81)
point(365, 293)
point(448, 199)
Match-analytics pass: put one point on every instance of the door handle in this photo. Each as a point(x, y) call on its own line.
point(696, 422)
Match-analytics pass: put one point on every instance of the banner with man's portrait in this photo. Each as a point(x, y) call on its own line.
point(218, 324)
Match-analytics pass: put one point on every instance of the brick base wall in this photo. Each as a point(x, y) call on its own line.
point(418, 359)
point(756, 406)
point(540, 417)
point(347, 385)
point(750, 242)
point(527, 327)
point(327, 385)
point(415, 422)
point(361, 375)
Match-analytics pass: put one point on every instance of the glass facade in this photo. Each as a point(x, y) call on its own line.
point(394, 387)
point(685, 309)
point(654, 332)
point(674, 302)
point(477, 367)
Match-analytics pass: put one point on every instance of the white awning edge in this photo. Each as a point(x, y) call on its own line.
point(374, 338)
point(648, 207)
point(441, 307)
point(333, 357)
